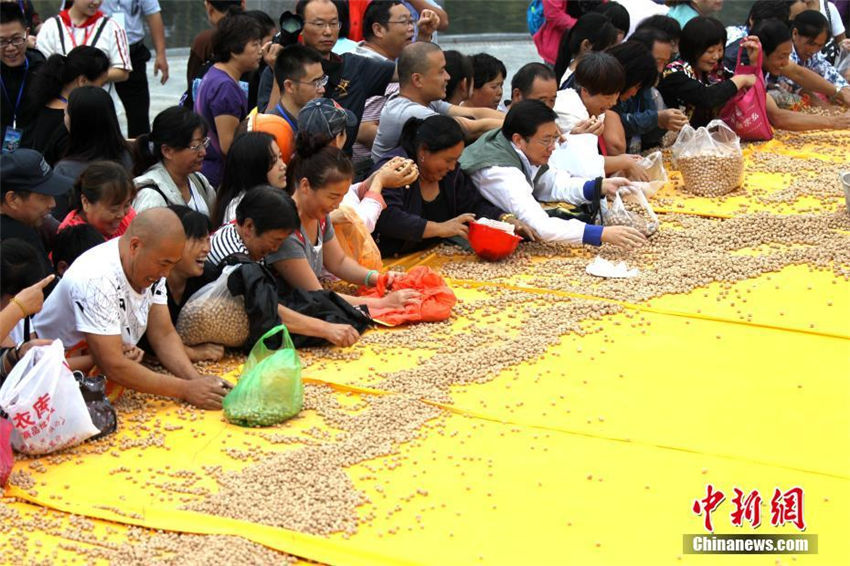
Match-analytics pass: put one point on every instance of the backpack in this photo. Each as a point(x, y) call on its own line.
point(534, 16)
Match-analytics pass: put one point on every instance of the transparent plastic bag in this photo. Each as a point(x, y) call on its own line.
point(269, 390)
point(44, 403)
point(709, 158)
point(653, 164)
point(355, 239)
point(213, 315)
point(630, 208)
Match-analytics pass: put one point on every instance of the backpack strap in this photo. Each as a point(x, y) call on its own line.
point(99, 30)
point(153, 186)
point(61, 28)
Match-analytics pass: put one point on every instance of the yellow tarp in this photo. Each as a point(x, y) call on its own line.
point(591, 453)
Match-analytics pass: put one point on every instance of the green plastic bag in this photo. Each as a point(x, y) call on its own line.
point(269, 390)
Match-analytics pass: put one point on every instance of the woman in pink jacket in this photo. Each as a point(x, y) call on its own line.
point(548, 37)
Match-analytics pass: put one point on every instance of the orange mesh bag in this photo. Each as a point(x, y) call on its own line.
point(434, 304)
point(355, 240)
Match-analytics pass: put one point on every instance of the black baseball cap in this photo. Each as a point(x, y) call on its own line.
point(325, 117)
point(26, 170)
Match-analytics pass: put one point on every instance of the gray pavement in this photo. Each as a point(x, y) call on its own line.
point(514, 50)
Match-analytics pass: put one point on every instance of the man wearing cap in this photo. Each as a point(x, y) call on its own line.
point(114, 293)
point(325, 121)
point(29, 191)
point(422, 80)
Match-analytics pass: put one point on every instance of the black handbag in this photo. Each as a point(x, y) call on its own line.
point(100, 409)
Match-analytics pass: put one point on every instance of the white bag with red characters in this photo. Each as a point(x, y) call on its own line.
point(44, 403)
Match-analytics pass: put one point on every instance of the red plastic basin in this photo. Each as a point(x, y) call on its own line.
point(491, 244)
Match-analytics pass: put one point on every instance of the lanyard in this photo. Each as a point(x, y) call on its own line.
point(86, 34)
point(285, 116)
point(20, 92)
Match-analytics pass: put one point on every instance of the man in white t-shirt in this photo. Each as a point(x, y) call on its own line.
point(422, 80)
point(116, 291)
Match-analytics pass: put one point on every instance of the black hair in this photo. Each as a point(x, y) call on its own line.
point(59, 70)
point(638, 63)
point(378, 12)
point(766, 9)
point(266, 23)
point(485, 69)
point(581, 7)
point(291, 61)
point(601, 73)
point(318, 162)
point(196, 225)
point(73, 241)
point(173, 127)
point(650, 36)
point(771, 33)
point(246, 165)
point(102, 181)
point(269, 208)
point(226, 6)
point(811, 23)
point(524, 78)
point(232, 34)
point(618, 15)
point(668, 25)
point(525, 118)
point(10, 12)
point(698, 35)
point(94, 132)
point(414, 59)
point(19, 266)
point(459, 67)
point(434, 133)
point(593, 27)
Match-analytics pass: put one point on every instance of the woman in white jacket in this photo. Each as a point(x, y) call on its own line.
point(168, 163)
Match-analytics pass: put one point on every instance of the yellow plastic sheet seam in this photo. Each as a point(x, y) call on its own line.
point(643, 308)
point(525, 424)
point(311, 547)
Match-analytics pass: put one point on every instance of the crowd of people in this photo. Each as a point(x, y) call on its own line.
point(105, 237)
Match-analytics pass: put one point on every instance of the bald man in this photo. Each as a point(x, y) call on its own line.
point(422, 80)
point(113, 293)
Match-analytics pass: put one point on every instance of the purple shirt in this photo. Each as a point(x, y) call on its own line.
point(218, 95)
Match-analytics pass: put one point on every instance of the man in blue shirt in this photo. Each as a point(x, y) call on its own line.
point(134, 92)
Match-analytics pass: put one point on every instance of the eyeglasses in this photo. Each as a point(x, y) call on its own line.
point(405, 22)
point(317, 84)
point(16, 41)
point(547, 142)
point(333, 24)
point(203, 144)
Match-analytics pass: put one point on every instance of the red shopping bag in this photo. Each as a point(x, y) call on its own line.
point(746, 112)
point(435, 300)
point(7, 457)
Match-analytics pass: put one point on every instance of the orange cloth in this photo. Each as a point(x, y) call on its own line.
point(434, 303)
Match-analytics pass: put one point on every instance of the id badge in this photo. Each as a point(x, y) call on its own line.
point(11, 140)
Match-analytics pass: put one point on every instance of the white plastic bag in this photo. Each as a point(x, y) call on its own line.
point(630, 208)
point(213, 315)
point(579, 156)
point(709, 158)
point(44, 403)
